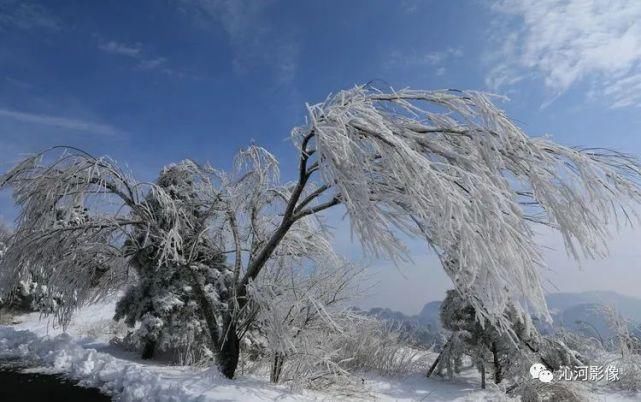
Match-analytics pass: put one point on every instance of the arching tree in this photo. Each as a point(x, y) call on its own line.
point(446, 166)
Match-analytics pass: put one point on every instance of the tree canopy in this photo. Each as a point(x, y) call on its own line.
point(445, 166)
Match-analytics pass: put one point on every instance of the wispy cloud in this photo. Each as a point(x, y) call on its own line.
point(410, 6)
point(60, 122)
point(18, 83)
point(152, 64)
point(567, 42)
point(436, 60)
point(252, 37)
point(26, 15)
point(143, 60)
point(440, 57)
point(121, 49)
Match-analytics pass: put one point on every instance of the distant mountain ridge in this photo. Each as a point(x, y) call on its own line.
point(428, 316)
point(569, 310)
point(583, 312)
point(628, 306)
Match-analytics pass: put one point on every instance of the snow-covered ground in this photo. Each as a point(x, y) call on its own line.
point(84, 354)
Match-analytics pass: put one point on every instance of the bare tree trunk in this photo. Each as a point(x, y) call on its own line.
point(482, 367)
point(435, 364)
point(207, 312)
point(277, 367)
point(229, 347)
point(226, 345)
point(438, 359)
point(498, 375)
point(149, 349)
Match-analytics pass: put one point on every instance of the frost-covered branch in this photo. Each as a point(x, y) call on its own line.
point(445, 166)
point(450, 167)
point(298, 307)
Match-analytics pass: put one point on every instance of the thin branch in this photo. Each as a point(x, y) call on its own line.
point(311, 197)
point(318, 208)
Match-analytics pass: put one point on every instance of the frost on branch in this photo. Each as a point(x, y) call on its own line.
point(74, 249)
point(450, 167)
point(446, 166)
point(297, 308)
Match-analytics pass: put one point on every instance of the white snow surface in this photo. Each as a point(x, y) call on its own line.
point(83, 353)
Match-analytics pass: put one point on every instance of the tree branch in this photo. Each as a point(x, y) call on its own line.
point(286, 223)
point(236, 235)
point(321, 207)
point(311, 197)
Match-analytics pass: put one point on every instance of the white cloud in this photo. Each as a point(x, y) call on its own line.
point(150, 64)
point(61, 122)
point(566, 42)
point(253, 38)
point(135, 52)
point(26, 15)
point(121, 49)
point(436, 60)
point(440, 57)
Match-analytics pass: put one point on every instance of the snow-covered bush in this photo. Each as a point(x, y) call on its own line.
point(335, 356)
point(31, 292)
point(614, 352)
point(164, 317)
point(372, 345)
point(297, 310)
point(629, 373)
point(311, 337)
point(32, 295)
point(490, 348)
point(625, 354)
point(533, 390)
point(468, 337)
point(507, 353)
point(624, 341)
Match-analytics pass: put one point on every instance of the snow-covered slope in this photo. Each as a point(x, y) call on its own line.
point(83, 353)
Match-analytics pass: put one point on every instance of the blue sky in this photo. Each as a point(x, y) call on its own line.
point(153, 82)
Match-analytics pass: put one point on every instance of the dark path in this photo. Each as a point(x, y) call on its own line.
point(22, 387)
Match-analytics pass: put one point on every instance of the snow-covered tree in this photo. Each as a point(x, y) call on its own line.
point(468, 338)
point(31, 292)
point(624, 340)
point(162, 300)
point(627, 346)
point(5, 235)
point(505, 352)
point(446, 166)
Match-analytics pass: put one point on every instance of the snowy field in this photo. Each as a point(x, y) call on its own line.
point(84, 354)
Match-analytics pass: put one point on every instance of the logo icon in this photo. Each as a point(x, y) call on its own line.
point(546, 376)
point(539, 371)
